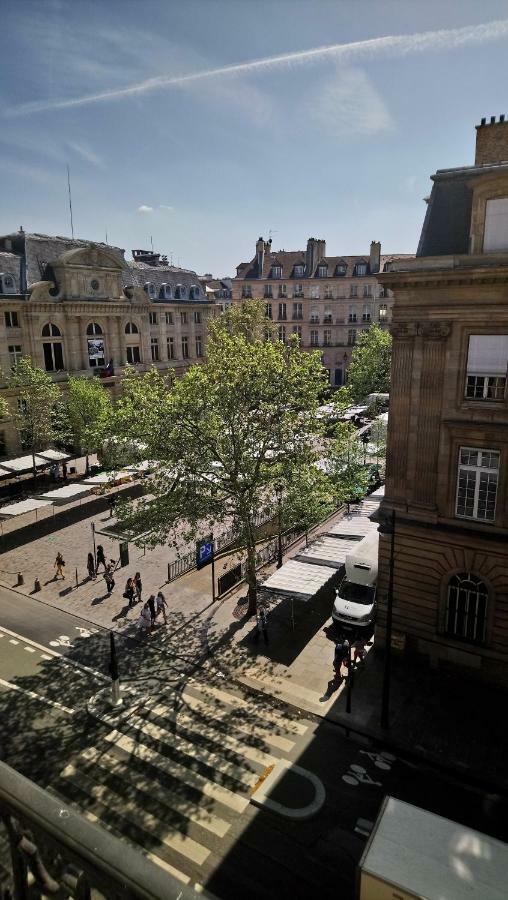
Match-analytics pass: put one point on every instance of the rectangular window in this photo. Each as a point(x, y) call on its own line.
point(328, 293)
point(11, 319)
point(15, 353)
point(283, 289)
point(327, 337)
point(367, 290)
point(152, 318)
point(246, 292)
point(477, 484)
point(361, 269)
point(133, 355)
point(383, 309)
point(297, 329)
point(53, 356)
point(353, 290)
point(169, 318)
point(351, 336)
point(268, 290)
point(328, 318)
point(487, 362)
point(314, 338)
point(184, 318)
point(197, 318)
point(171, 347)
point(366, 314)
point(495, 236)
point(268, 310)
point(282, 311)
point(282, 333)
point(298, 292)
point(185, 347)
point(199, 346)
point(297, 310)
point(352, 315)
point(154, 347)
point(314, 292)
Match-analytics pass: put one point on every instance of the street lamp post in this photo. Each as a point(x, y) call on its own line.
point(385, 701)
point(349, 679)
point(278, 494)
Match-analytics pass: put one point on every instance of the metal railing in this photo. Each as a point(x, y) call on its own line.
point(266, 555)
point(55, 851)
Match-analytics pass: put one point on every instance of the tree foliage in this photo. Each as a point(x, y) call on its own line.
point(369, 370)
point(345, 465)
point(87, 411)
point(37, 399)
point(228, 435)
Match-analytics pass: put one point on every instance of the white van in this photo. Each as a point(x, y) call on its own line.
point(355, 599)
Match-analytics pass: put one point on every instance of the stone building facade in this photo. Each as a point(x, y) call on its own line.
point(447, 461)
point(326, 300)
point(82, 308)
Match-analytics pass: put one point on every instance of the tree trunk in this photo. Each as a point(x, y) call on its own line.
point(87, 465)
point(251, 572)
point(34, 467)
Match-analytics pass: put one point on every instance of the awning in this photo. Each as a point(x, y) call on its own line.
point(298, 580)
point(145, 466)
point(349, 526)
point(66, 494)
point(23, 464)
point(103, 478)
point(22, 507)
point(55, 455)
point(327, 551)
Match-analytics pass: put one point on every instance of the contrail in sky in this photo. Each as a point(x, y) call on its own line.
point(389, 46)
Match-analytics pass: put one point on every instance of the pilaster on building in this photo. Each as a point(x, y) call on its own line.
point(447, 461)
point(326, 300)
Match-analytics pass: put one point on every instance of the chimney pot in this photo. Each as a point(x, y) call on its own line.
point(501, 118)
point(483, 121)
point(492, 120)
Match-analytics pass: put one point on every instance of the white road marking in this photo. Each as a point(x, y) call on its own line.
point(13, 642)
point(34, 696)
point(29, 649)
point(52, 654)
point(262, 713)
point(224, 717)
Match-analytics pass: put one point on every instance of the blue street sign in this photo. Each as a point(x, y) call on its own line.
point(204, 551)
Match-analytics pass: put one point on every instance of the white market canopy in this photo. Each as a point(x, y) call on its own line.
point(145, 466)
point(22, 507)
point(22, 464)
point(298, 580)
point(327, 551)
point(106, 478)
point(357, 526)
point(55, 455)
point(66, 494)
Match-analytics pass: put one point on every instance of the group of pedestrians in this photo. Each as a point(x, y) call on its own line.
point(342, 655)
point(154, 606)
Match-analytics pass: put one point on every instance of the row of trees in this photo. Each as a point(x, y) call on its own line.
point(228, 437)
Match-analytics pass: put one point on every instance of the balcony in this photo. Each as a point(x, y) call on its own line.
point(352, 318)
point(327, 320)
point(56, 851)
point(314, 320)
point(298, 294)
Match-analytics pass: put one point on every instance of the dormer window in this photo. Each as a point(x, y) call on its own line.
point(276, 271)
point(194, 292)
point(361, 268)
point(322, 271)
point(165, 291)
point(149, 287)
point(7, 284)
point(180, 292)
point(340, 269)
point(495, 235)
point(298, 271)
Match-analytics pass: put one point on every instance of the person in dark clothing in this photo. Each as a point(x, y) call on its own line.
point(108, 578)
point(90, 566)
point(138, 587)
point(151, 607)
point(340, 656)
point(100, 557)
point(129, 592)
point(261, 625)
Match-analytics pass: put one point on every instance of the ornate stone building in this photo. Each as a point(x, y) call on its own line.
point(326, 300)
point(82, 308)
point(447, 465)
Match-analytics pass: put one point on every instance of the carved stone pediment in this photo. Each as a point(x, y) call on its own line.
point(92, 257)
point(42, 291)
point(436, 331)
point(403, 330)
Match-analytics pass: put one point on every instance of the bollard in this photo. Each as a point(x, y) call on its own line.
point(76, 578)
point(37, 585)
point(21, 580)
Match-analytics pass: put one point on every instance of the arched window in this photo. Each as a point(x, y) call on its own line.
point(180, 292)
point(131, 328)
point(95, 346)
point(52, 349)
point(149, 287)
point(50, 330)
point(132, 345)
point(93, 328)
point(466, 608)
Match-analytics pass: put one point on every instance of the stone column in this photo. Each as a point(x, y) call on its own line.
point(403, 334)
point(434, 335)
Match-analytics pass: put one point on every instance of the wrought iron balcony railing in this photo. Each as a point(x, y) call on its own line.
point(55, 851)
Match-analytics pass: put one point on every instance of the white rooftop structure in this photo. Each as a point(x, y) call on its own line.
point(424, 855)
point(145, 466)
point(299, 580)
point(378, 494)
point(55, 455)
point(357, 526)
point(327, 551)
point(66, 494)
point(22, 507)
point(107, 478)
point(23, 464)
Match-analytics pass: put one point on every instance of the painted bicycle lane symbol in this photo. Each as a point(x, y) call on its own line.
point(357, 774)
point(63, 640)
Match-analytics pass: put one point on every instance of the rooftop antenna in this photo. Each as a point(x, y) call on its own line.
point(70, 198)
point(106, 234)
point(272, 231)
point(151, 242)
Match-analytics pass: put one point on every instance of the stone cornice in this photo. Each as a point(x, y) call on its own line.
point(427, 278)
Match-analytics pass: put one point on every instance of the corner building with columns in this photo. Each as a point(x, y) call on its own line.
point(81, 308)
point(447, 461)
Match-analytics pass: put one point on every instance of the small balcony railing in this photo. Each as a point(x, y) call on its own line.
point(55, 851)
point(314, 320)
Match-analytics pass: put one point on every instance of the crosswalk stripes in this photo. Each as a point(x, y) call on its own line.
point(176, 777)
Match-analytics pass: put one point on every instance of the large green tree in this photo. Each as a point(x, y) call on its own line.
point(36, 402)
point(345, 465)
point(228, 435)
point(87, 412)
point(369, 369)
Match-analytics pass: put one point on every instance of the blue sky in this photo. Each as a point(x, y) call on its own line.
point(337, 143)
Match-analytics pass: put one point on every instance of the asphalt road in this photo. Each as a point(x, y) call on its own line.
point(205, 735)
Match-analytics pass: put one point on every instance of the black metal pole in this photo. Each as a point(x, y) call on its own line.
point(349, 680)
point(94, 550)
point(279, 535)
point(213, 571)
point(113, 671)
point(385, 702)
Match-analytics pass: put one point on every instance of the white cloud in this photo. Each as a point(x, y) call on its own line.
point(386, 46)
point(145, 209)
point(349, 105)
point(86, 153)
point(163, 206)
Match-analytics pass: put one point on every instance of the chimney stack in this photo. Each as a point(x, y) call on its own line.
point(375, 257)
point(260, 256)
point(316, 250)
point(491, 142)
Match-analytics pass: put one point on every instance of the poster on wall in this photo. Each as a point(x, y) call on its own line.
point(96, 350)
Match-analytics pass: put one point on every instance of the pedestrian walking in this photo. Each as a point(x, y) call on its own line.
point(108, 577)
point(151, 607)
point(100, 557)
point(145, 619)
point(340, 657)
point(138, 587)
point(161, 606)
point(59, 566)
point(64, 470)
point(90, 566)
point(129, 592)
point(359, 651)
point(261, 625)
